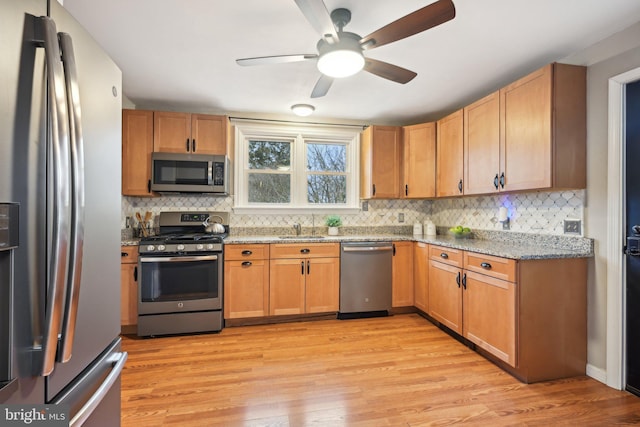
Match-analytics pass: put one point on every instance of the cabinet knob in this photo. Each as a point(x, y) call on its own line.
point(246, 253)
point(495, 181)
point(444, 255)
point(124, 254)
point(460, 186)
point(485, 265)
point(187, 145)
point(193, 145)
point(502, 179)
point(246, 263)
point(305, 251)
point(458, 279)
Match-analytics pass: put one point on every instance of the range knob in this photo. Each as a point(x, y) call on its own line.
point(161, 247)
point(199, 246)
point(210, 246)
point(180, 247)
point(151, 248)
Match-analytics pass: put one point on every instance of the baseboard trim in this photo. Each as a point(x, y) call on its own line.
point(597, 373)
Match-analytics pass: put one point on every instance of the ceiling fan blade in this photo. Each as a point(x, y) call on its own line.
point(388, 71)
point(277, 59)
point(322, 86)
point(413, 23)
point(318, 16)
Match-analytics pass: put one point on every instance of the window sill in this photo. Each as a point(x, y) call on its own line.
point(290, 210)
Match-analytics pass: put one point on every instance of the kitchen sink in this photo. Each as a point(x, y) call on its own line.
point(301, 237)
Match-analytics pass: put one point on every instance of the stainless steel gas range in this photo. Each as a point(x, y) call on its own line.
point(180, 275)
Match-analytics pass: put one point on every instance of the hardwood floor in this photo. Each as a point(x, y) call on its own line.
point(394, 371)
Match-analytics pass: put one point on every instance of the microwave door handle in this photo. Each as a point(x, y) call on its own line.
point(77, 200)
point(57, 271)
point(210, 172)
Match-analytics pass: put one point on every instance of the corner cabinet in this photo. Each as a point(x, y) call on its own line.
point(189, 133)
point(137, 146)
point(449, 155)
point(543, 129)
point(419, 161)
point(128, 286)
point(380, 162)
point(246, 281)
point(304, 278)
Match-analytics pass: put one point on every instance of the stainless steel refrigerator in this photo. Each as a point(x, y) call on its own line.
point(60, 170)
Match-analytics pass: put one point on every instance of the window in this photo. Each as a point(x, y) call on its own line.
point(296, 167)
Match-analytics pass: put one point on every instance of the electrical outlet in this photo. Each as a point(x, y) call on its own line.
point(572, 226)
point(365, 206)
point(401, 217)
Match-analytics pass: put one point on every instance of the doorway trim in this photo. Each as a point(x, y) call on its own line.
point(616, 309)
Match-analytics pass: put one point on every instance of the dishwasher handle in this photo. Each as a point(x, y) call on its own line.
point(367, 248)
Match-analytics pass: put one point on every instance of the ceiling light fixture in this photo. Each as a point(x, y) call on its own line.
point(342, 59)
point(302, 110)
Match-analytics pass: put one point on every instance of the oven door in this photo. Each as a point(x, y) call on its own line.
point(179, 283)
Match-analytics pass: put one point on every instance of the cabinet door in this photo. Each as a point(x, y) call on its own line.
point(137, 145)
point(490, 315)
point(445, 295)
point(449, 155)
point(208, 134)
point(421, 276)
point(322, 285)
point(482, 145)
point(380, 162)
point(171, 132)
point(402, 270)
point(286, 286)
point(419, 154)
point(246, 289)
point(526, 131)
point(129, 286)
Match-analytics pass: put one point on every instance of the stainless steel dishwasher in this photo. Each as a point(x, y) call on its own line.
point(365, 279)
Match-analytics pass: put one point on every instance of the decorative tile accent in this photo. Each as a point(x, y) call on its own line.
point(540, 213)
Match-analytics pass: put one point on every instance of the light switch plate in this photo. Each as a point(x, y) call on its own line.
point(573, 226)
point(401, 217)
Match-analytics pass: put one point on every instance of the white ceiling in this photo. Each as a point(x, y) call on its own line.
point(180, 55)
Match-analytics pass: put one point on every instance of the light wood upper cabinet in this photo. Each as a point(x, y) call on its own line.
point(189, 133)
point(543, 129)
point(402, 274)
point(421, 276)
point(419, 155)
point(137, 146)
point(449, 155)
point(482, 145)
point(380, 162)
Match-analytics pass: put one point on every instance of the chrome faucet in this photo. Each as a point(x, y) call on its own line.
point(298, 228)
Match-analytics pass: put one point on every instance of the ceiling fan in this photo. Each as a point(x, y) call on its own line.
point(340, 53)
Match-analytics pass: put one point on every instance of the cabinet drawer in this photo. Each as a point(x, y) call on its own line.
point(500, 268)
point(246, 252)
point(305, 250)
point(447, 255)
point(128, 254)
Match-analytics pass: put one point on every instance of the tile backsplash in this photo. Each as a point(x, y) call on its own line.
point(540, 212)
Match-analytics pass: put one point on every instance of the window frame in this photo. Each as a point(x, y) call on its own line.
point(300, 134)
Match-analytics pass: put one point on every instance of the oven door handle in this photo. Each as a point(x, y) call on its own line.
point(179, 258)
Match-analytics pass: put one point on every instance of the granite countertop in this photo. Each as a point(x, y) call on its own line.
point(507, 245)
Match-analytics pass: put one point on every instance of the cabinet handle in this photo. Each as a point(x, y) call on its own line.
point(302, 267)
point(305, 251)
point(502, 180)
point(149, 186)
point(458, 279)
point(374, 189)
point(406, 189)
point(135, 273)
point(444, 255)
point(246, 264)
point(485, 265)
point(460, 186)
point(124, 254)
point(495, 181)
point(394, 249)
point(187, 145)
point(464, 281)
point(193, 145)
point(246, 253)
point(308, 267)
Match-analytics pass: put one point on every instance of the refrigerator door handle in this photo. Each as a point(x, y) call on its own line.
point(58, 262)
point(87, 409)
point(76, 242)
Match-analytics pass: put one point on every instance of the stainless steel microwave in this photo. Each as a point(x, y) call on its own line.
point(190, 173)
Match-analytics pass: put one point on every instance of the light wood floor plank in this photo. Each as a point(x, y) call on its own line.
point(394, 371)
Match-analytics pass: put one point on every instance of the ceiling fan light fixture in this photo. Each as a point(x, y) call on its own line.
point(302, 110)
point(341, 63)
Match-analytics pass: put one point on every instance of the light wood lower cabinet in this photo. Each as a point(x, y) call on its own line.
point(421, 276)
point(128, 285)
point(246, 281)
point(402, 271)
point(304, 278)
point(445, 294)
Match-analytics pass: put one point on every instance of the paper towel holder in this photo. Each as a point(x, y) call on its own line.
point(503, 217)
